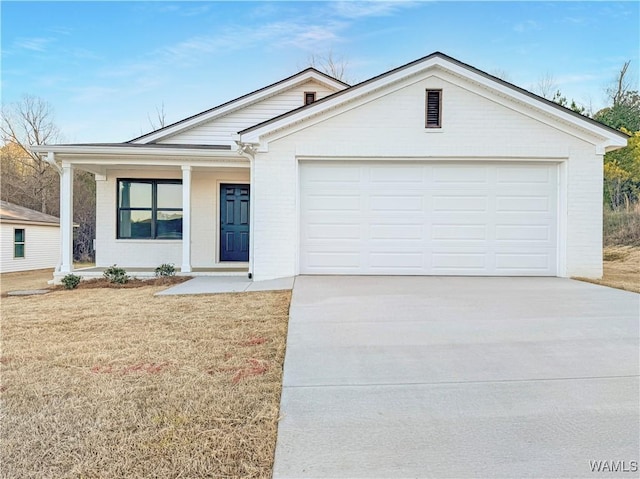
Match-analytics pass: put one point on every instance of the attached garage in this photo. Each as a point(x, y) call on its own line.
point(429, 218)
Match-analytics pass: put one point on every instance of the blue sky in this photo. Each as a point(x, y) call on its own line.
point(107, 66)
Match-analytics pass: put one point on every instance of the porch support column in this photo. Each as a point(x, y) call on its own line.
point(186, 219)
point(66, 218)
point(252, 190)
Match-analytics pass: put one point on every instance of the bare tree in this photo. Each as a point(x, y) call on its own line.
point(159, 121)
point(621, 87)
point(546, 86)
point(335, 67)
point(26, 179)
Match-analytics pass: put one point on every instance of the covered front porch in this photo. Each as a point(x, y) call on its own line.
point(160, 204)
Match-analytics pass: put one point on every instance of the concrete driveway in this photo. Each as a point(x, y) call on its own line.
point(406, 377)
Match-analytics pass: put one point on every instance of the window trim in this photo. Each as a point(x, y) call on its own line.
point(20, 243)
point(307, 93)
point(153, 209)
point(426, 109)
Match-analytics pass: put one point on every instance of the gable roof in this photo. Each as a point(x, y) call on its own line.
point(437, 59)
point(11, 213)
point(242, 101)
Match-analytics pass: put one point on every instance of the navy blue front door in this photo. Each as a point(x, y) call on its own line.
point(234, 222)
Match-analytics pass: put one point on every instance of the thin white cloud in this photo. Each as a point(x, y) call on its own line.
point(36, 44)
point(91, 94)
point(576, 78)
point(526, 26)
point(355, 10)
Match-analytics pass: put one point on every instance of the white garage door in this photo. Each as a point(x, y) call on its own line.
point(404, 218)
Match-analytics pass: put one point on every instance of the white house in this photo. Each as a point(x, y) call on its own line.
point(30, 239)
point(433, 168)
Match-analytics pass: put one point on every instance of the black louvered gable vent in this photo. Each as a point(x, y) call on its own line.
point(434, 109)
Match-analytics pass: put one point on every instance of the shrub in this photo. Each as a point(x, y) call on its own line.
point(71, 281)
point(166, 269)
point(116, 275)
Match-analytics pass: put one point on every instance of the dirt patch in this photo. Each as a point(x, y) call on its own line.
point(121, 383)
point(621, 268)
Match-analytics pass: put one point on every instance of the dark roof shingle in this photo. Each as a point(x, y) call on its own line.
point(11, 212)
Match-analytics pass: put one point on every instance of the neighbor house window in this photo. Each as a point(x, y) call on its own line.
point(434, 109)
point(18, 243)
point(149, 209)
point(309, 97)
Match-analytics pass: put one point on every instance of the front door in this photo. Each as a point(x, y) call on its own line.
point(234, 222)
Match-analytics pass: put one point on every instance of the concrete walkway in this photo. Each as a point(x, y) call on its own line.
point(226, 284)
point(403, 377)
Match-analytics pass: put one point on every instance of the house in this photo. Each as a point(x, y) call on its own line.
point(30, 239)
point(433, 168)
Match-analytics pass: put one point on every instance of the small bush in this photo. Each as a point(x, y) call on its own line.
point(71, 281)
point(116, 275)
point(166, 269)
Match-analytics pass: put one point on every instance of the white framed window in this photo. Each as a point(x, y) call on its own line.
point(18, 242)
point(149, 209)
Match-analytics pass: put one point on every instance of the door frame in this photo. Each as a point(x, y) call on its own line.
point(219, 183)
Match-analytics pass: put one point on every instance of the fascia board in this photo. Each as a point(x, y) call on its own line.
point(27, 222)
point(242, 102)
point(106, 151)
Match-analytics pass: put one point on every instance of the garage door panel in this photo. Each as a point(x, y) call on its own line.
point(456, 232)
point(399, 203)
point(523, 204)
point(395, 231)
point(460, 203)
point(523, 232)
point(397, 260)
point(384, 175)
point(524, 174)
point(333, 231)
point(428, 218)
point(334, 203)
point(521, 261)
point(457, 175)
point(330, 261)
point(457, 262)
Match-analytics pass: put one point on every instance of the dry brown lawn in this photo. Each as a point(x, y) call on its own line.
point(621, 268)
point(121, 383)
point(25, 280)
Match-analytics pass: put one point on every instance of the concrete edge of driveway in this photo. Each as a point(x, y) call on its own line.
point(227, 284)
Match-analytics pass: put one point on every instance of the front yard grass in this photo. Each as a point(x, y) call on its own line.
point(121, 383)
point(621, 268)
point(21, 280)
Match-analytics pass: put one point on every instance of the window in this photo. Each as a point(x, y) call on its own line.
point(149, 209)
point(434, 109)
point(309, 97)
point(18, 243)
